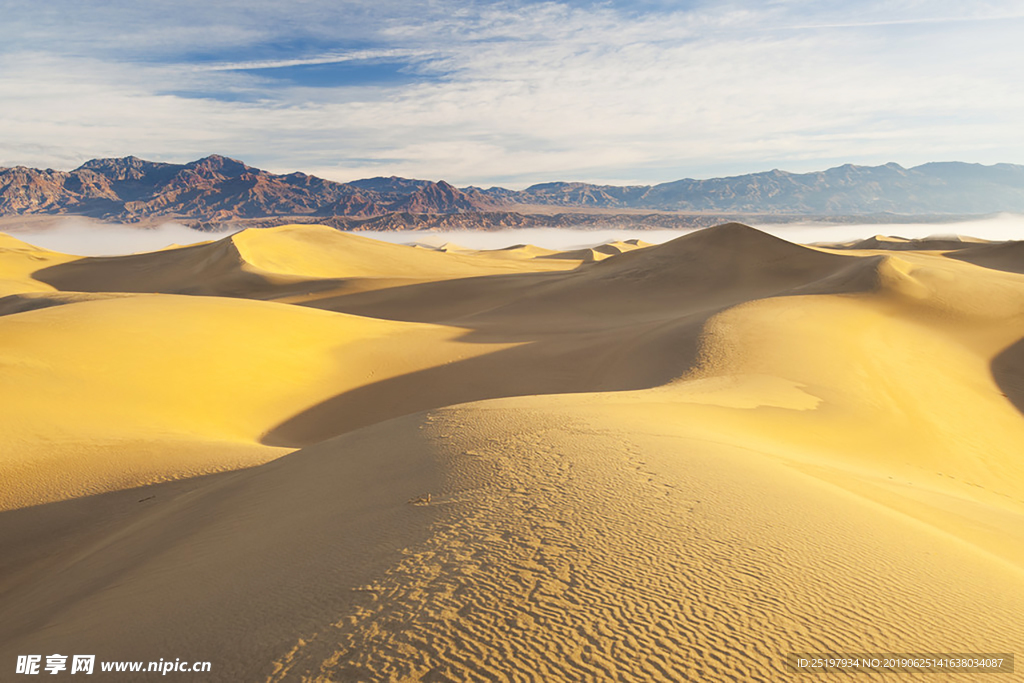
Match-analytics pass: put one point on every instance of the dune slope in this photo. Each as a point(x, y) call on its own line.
point(268, 263)
point(19, 261)
point(562, 541)
point(114, 392)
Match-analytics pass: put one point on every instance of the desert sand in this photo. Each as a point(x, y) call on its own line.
point(303, 455)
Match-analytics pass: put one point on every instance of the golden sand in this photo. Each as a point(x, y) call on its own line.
point(304, 455)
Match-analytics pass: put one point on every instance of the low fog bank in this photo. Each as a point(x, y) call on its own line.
point(998, 228)
point(88, 237)
point(1003, 227)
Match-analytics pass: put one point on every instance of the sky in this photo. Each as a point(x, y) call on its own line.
point(513, 93)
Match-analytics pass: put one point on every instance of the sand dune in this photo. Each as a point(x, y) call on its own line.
point(1008, 256)
point(526, 251)
point(588, 255)
point(676, 462)
point(933, 243)
point(562, 541)
point(267, 264)
point(19, 260)
point(109, 411)
point(598, 253)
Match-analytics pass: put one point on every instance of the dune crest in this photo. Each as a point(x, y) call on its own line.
point(19, 260)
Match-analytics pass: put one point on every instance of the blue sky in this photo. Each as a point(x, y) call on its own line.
point(513, 93)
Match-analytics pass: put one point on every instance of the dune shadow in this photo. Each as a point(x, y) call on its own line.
point(1005, 256)
point(38, 538)
point(1008, 373)
point(287, 543)
point(633, 321)
point(212, 269)
point(623, 359)
point(441, 301)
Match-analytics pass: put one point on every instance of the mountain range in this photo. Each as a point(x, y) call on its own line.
point(217, 189)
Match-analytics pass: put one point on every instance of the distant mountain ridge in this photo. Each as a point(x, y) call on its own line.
point(213, 188)
point(217, 188)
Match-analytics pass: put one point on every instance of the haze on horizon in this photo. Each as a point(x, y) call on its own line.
point(82, 236)
point(516, 92)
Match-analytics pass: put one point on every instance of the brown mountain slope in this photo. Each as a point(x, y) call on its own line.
point(214, 188)
point(219, 189)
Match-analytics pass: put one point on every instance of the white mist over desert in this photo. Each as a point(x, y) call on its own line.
point(308, 455)
point(90, 237)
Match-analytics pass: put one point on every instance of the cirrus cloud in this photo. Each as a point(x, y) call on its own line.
point(513, 92)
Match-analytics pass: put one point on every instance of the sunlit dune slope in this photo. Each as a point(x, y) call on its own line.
point(268, 262)
point(581, 541)
point(322, 252)
point(898, 389)
point(19, 260)
point(519, 251)
point(122, 391)
point(565, 539)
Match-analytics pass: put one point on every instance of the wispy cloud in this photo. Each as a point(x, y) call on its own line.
point(331, 58)
point(514, 92)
